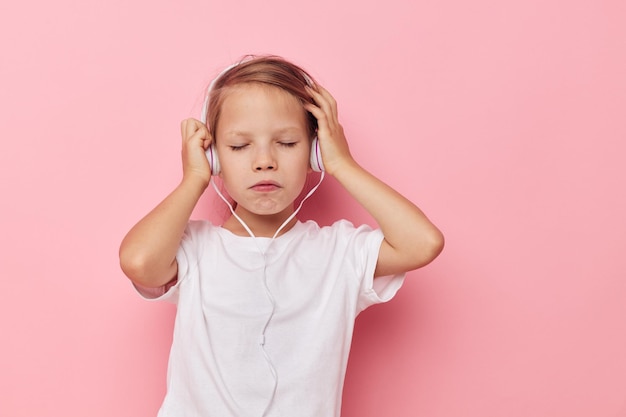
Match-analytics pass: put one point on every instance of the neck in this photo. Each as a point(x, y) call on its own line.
point(260, 225)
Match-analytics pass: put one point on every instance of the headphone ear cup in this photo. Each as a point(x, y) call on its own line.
point(214, 162)
point(316, 156)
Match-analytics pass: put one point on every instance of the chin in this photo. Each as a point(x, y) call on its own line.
point(270, 209)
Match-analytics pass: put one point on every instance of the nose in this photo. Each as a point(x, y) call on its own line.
point(264, 159)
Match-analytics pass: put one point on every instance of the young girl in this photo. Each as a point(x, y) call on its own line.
point(265, 303)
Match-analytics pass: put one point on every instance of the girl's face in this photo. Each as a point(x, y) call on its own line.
point(263, 147)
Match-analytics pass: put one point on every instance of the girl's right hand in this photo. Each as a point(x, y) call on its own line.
point(196, 140)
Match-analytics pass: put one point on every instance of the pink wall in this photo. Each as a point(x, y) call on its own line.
point(503, 120)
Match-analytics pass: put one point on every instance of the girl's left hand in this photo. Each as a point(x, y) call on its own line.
point(332, 140)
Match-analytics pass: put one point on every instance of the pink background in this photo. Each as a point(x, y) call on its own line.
point(504, 121)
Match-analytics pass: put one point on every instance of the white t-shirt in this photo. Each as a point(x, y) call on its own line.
point(319, 279)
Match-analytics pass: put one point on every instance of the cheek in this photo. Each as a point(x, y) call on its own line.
point(303, 175)
point(229, 176)
point(302, 169)
point(231, 163)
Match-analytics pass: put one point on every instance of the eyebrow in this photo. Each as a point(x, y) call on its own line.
point(280, 131)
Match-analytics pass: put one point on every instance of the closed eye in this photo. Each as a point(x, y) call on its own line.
point(288, 144)
point(237, 147)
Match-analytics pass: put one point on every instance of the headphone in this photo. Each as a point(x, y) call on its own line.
point(315, 159)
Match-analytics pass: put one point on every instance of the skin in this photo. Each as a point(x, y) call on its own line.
point(263, 148)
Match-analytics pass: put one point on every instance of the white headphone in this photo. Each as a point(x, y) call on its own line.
point(315, 159)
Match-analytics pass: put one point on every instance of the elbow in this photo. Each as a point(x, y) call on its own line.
point(134, 268)
point(140, 270)
point(431, 247)
point(437, 243)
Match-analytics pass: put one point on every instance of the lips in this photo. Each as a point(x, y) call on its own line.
point(265, 186)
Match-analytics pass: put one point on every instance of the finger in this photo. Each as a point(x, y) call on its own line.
point(202, 136)
point(191, 127)
point(207, 140)
point(326, 102)
point(203, 129)
point(183, 128)
point(319, 114)
point(316, 95)
point(187, 129)
point(327, 96)
point(330, 100)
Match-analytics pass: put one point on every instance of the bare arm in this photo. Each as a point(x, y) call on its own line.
point(411, 239)
point(148, 252)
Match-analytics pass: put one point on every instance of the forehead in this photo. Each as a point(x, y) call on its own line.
point(253, 102)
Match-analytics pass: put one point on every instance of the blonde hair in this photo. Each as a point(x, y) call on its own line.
point(268, 70)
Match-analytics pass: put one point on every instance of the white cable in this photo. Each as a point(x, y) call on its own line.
point(245, 226)
point(266, 287)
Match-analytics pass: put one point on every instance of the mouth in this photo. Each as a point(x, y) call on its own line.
point(265, 186)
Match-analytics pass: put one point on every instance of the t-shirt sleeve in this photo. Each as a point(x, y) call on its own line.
point(187, 260)
point(365, 243)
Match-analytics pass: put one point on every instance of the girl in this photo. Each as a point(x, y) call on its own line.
point(265, 303)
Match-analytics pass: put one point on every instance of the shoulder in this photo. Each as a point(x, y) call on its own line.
point(200, 225)
point(198, 233)
point(341, 230)
point(196, 228)
point(346, 227)
point(337, 226)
